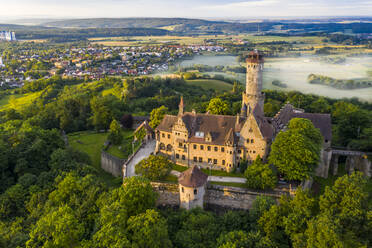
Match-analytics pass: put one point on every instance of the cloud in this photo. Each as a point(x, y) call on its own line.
point(245, 4)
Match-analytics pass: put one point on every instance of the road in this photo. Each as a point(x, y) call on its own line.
point(143, 153)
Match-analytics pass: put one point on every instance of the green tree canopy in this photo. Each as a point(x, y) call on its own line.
point(157, 115)
point(148, 229)
point(260, 175)
point(296, 151)
point(218, 107)
point(59, 228)
point(115, 133)
point(154, 167)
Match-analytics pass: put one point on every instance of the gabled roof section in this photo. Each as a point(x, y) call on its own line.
point(321, 121)
point(145, 125)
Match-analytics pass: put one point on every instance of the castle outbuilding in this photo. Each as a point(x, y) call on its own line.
point(222, 141)
point(192, 186)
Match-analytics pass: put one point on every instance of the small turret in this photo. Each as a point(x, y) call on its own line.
point(192, 188)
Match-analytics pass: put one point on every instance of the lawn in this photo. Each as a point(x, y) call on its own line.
point(239, 185)
point(217, 85)
point(124, 150)
point(219, 173)
point(89, 142)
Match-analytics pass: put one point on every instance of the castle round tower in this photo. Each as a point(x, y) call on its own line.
point(253, 91)
point(192, 188)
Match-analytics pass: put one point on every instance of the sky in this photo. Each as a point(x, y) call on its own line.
point(183, 8)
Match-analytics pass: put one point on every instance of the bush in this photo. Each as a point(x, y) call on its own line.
point(127, 121)
point(260, 175)
point(154, 167)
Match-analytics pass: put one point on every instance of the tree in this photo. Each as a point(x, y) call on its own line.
point(260, 175)
point(260, 205)
point(241, 239)
point(127, 121)
point(6, 177)
point(154, 167)
point(148, 229)
point(157, 115)
point(218, 107)
point(138, 195)
point(115, 134)
point(59, 228)
point(133, 198)
point(198, 229)
point(296, 152)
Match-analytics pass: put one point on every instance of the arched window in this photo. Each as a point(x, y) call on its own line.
point(162, 146)
point(195, 191)
point(169, 147)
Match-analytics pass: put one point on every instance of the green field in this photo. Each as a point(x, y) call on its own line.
point(12, 101)
point(89, 142)
point(219, 173)
point(207, 84)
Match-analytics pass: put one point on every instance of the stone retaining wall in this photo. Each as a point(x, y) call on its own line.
point(112, 164)
point(169, 194)
point(217, 197)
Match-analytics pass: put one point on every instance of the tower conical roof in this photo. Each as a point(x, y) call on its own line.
point(193, 177)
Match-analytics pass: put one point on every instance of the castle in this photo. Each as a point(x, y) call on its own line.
point(223, 141)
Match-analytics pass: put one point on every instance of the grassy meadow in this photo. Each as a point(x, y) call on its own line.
point(207, 84)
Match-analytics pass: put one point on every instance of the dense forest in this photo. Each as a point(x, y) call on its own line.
point(51, 196)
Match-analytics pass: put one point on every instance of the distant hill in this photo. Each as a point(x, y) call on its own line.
point(127, 23)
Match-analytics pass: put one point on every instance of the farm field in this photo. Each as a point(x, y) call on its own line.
point(191, 40)
point(211, 84)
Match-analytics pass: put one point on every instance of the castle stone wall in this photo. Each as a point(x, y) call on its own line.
point(234, 198)
point(111, 164)
point(216, 197)
point(169, 194)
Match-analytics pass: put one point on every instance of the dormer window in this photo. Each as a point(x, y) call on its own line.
point(199, 134)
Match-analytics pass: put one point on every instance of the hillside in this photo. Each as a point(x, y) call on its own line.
point(127, 22)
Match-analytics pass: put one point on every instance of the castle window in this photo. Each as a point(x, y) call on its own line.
point(223, 162)
point(195, 147)
point(163, 135)
point(169, 147)
point(252, 140)
point(214, 161)
point(209, 148)
point(195, 159)
point(183, 157)
point(216, 149)
point(200, 159)
point(209, 160)
point(183, 190)
point(239, 151)
point(222, 149)
point(177, 156)
point(195, 191)
point(230, 152)
point(168, 136)
point(199, 134)
point(248, 140)
point(180, 144)
point(201, 147)
point(254, 151)
point(162, 146)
